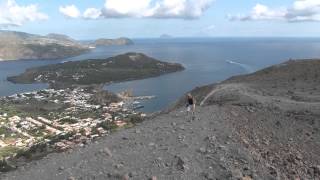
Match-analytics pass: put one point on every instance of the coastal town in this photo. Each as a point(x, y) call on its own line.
point(62, 118)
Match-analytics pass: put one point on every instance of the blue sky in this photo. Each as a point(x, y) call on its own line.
point(179, 18)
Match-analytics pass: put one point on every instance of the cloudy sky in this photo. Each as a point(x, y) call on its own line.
point(88, 19)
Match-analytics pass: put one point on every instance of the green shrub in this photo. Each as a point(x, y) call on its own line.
point(135, 119)
point(107, 125)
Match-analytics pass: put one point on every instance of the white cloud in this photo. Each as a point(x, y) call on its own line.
point(262, 12)
point(300, 10)
point(175, 9)
point(12, 14)
point(184, 9)
point(304, 10)
point(125, 8)
point(92, 13)
point(209, 28)
point(70, 11)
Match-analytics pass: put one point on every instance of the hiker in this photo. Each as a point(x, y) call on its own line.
point(191, 104)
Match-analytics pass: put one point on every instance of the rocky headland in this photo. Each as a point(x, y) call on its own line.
point(21, 46)
point(263, 125)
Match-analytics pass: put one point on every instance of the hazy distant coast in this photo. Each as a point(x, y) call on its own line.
point(112, 42)
point(21, 46)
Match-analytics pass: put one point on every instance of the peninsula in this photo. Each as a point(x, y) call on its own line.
point(129, 66)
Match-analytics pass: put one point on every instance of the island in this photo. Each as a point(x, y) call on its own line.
point(112, 42)
point(124, 67)
point(166, 36)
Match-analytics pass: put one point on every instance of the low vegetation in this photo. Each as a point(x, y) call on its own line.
point(123, 67)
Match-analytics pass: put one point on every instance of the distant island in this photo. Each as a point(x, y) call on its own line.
point(109, 42)
point(21, 46)
point(123, 67)
point(166, 36)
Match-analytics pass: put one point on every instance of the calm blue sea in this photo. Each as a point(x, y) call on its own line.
point(206, 61)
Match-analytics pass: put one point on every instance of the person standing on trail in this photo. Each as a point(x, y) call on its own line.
point(191, 104)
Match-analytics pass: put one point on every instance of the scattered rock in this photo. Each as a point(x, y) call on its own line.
point(125, 177)
point(133, 174)
point(299, 157)
point(273, 171)
point(181, 164)
point(118, 166)
point(71, 178)
point(250, 109)
point(211, 139)
point(202, 150)
point(221, 147)
point(247, 178)
point(181, 138)
point(316, 170)
point(137, 131)
point(308, 133)
point(237, 174)
point(234, 113)
point(81, 145)
point(208, 176)
point(153, 178)
point(106, 151)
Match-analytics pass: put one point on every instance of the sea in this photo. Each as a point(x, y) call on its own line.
point(207, 61)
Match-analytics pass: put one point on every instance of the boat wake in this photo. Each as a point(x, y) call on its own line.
point(246, 67)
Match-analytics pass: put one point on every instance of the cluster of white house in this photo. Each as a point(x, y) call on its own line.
point(24, 132)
